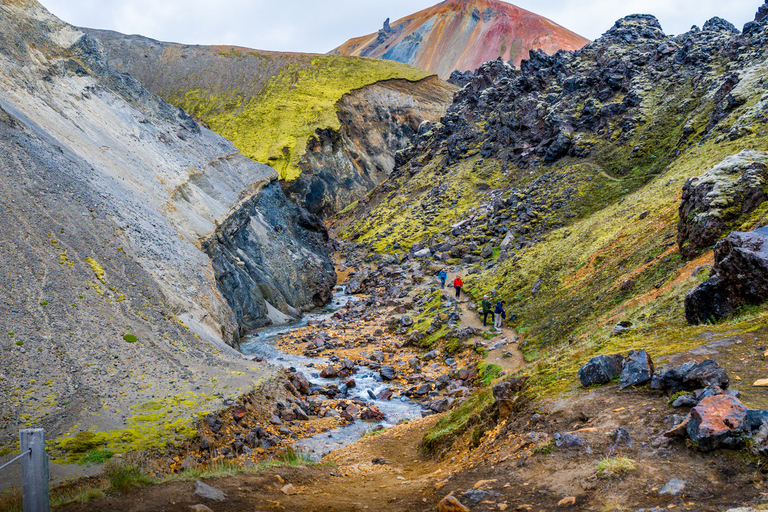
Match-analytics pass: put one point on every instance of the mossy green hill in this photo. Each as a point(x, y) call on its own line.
point(268, 104)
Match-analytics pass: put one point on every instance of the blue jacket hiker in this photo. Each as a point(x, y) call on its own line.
point(443, 275)
point(499, 315)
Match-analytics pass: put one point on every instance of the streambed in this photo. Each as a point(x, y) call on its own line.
point(368, 382)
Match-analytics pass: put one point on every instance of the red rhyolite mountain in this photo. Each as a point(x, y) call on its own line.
point(462, 35)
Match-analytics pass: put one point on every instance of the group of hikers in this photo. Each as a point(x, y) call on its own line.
point(497, 312)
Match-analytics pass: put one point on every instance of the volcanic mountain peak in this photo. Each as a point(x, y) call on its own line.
point(462, 35)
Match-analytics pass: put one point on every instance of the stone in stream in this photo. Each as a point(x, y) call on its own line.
point(638, 369)
point(372, 413)
point(388, 373)
point(601, 369)
point(329, 372)
point(384, 394)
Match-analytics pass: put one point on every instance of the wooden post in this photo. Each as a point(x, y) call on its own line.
point(34, 471)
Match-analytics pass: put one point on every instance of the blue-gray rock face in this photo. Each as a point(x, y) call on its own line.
point(270, 259)
point(638, 369)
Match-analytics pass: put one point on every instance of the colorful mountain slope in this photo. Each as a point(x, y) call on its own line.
point(462, 35)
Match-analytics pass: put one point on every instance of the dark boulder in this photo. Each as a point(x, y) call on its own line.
point(601, 369)
point(739, 276)
point(717, 24)
point(388, 373)
point(718, 422)
point(692, 376)
point(566, 440)
point(638, 369)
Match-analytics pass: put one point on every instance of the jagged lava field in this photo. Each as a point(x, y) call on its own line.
point(614, 197)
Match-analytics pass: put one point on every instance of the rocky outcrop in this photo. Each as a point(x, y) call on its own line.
point(108, 192)
point(739, 276)
point(270, 259)
point(343, 166)
point(713, 203)
point(461, 35)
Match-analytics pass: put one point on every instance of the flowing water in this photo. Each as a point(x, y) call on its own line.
point(368, 382)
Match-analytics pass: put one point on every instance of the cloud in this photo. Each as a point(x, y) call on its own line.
point(304, 26)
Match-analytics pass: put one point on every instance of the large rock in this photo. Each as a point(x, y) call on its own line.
point(713, 202)
point(357, 284)
point(637, 370)
point(739, 276)
point(718, 422)
point(601, 369)
point(692, 376)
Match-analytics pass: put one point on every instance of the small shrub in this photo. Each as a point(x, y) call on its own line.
point(130, 338)
point(291, 457)
point(19, 343)
point(44, 303)
point(615, 467)
point(124, 476)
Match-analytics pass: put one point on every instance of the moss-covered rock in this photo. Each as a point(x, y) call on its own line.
point(720, 199)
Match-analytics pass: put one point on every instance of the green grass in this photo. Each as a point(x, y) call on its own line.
point(96, 457)
point(615, 467)
point(458, 421)
point(123, 476)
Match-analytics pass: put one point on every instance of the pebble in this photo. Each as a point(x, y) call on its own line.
point(289, 490)
point(567, 502)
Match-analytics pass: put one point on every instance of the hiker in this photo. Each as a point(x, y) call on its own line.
point(458, 284)
point(500, 314)
point(487, 310)
point(442, 275)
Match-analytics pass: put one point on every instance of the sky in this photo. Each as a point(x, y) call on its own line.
point(319, 26)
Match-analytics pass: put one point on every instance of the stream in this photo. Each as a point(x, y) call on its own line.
point(399, 408)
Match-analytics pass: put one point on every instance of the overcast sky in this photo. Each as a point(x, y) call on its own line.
point(320, 26)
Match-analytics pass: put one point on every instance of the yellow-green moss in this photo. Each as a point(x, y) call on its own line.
point(458, 420)
point(97, 269)
point(274, 127)
point(154, 426)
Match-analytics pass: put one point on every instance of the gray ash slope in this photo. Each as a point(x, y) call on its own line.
point(112, 202)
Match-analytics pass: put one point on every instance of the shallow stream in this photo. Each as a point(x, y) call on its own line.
point(367, 382)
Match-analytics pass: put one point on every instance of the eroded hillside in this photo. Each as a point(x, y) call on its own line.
point(295, 112)
point(125, 226)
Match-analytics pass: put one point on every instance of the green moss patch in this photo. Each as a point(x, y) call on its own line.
point(154, 426)
point(275, 125)
point(458, 421)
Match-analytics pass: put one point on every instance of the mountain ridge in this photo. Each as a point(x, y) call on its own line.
point(457, 35)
